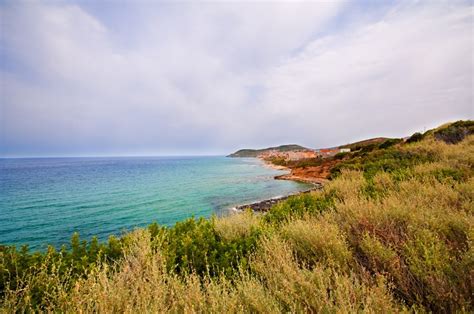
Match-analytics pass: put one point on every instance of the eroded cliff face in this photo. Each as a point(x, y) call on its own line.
point(311, 174)
point(290, 157)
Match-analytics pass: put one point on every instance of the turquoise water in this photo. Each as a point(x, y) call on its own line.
point(44, 200)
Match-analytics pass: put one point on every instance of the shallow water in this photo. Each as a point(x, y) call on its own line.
point(44, 200)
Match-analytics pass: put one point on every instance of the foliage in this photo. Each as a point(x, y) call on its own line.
point(455, 132)
point(340, 156)
point(298, 205)
point(390, 142)
point(416, 137)
point(82, 257)
point(391, 160)
point(196, 246)
point(361, 144)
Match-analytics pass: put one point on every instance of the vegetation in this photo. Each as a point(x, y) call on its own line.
point(361, 144)
point(392, 232)
point(416, 137)
point(455, 132)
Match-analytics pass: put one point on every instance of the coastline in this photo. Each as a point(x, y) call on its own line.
point(265, 205)
point(299, 176)
point(310, 180)
point(312, 175)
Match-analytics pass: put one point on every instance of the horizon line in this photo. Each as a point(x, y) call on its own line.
point(109, 156)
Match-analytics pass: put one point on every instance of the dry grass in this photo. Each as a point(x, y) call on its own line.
point(317, 240)
point(278, 283)
point(237, 225)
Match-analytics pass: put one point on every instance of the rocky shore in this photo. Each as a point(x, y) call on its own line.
point(303, 178)
point(265, 205)
point(315, 175)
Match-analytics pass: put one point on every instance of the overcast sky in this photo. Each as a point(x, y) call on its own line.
point(150, 78)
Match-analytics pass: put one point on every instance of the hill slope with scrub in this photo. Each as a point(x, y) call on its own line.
point(392, 231)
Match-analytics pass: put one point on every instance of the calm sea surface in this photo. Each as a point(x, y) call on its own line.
point(44, 200)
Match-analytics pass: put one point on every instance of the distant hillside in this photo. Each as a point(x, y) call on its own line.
point(360, 144)
point(256, 152)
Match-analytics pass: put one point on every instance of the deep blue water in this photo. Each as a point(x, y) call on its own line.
point(44, 200)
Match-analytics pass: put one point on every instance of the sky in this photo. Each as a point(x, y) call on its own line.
point(111, 78)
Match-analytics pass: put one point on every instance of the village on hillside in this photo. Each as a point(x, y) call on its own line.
point(302, 154)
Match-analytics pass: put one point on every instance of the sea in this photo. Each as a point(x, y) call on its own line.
point(43, 201)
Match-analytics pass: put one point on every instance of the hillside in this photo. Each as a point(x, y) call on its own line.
point(364, 143)
point(319, 170)
point(392, 231)
point(257, 152)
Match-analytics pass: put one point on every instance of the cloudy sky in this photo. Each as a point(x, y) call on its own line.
point(163, 78)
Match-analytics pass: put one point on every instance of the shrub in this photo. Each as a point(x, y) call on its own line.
point(390, 142)
point(296, 206)
point(340, 156)
point(196, 246)
point(237, 225)
point(455, 132)
point(327, 246)
point(388, 160)
point(321, 288)
point(416, 137)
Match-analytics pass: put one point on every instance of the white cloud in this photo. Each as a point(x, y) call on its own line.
point(411, 68)
point(206, 78)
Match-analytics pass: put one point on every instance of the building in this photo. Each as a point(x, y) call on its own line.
point(289, 155)
point(328, 152)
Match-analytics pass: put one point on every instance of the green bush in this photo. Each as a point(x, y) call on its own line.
point(455, 132)
point(71, 262)
point(390, 142)
point(388, 160)
point(195, 246)
point(416, 137)
point(340, 156)
point(298, 205)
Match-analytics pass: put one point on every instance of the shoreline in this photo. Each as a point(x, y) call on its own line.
point(265, 205)
point(291, 177)
point(298, 176)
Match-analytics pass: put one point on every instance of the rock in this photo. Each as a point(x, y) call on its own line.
point(265, 205)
